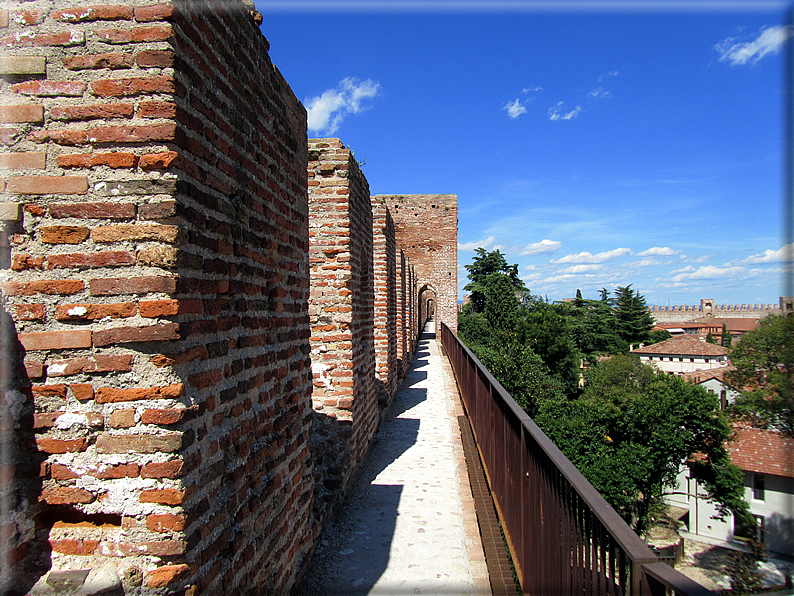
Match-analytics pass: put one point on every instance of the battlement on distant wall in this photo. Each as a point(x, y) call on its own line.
point(707, 308)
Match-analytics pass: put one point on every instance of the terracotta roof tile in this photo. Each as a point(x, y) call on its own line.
point(683, 345)
point(763, 451)
point(701, 376)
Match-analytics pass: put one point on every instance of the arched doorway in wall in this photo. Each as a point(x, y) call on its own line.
point(427, 306)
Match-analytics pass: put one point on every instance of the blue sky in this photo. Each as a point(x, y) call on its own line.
point(595, 144)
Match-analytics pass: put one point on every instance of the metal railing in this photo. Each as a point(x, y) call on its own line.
point(563, 536)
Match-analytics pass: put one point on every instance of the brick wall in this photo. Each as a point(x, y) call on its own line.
point(341, 317)
point(385, 268)
point(426, 227)
point(154, 183)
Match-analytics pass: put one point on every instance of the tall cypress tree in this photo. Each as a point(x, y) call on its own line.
point(634, 322)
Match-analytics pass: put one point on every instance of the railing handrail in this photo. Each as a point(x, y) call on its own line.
point(634, 547)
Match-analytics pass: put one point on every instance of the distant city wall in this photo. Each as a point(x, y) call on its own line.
point(708, 308)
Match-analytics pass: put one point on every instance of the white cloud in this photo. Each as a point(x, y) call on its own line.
point(648, 263)
point(542, 247)
point(532, 89)
point(611, 73)
point(657, 251)
point(707, 272)
point(599, 92)
point(514, 108)
point(581, 269)
point(769, 41)
point(326, 111)
point(555, 112)
point(477, 244)
point(586, 257)
point(782, 255)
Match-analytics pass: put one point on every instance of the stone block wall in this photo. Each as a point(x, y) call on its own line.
point(385, 267)
point(341, 311)
point(426, 227)
point(154, 185)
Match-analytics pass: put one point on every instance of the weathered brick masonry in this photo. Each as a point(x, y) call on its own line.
point(341, 311)
point(385, 267)
point(154, 176)
point(157, 382)
point(426, 227)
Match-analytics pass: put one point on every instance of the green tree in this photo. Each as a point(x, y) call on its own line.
point(634, 322)
point(763, 364)
point(726, 340)
point(744, 569)
point(474, 328)
point(483, 265)
point(595, 326)
point(501, 304)
point(710, 338)
point(632, 429)
point(549, 330)
point(520, 371)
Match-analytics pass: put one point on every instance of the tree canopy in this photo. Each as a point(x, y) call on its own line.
point(482, 266)
point(632, 428)
point(763, 364)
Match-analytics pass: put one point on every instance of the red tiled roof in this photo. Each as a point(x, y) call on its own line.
point(763, 451)
point(683, 345)
point(701, 376)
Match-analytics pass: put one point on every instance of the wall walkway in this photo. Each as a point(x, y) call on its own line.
point(408, 525)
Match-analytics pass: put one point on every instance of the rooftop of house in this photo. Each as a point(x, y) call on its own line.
point(763, 451)
point(682, 345)
point(701, 376)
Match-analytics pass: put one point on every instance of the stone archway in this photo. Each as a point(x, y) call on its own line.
point(427, 300)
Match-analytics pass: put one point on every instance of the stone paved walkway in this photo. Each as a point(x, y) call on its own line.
point(408, 525)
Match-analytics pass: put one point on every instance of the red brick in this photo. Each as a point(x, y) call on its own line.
point(133, 86)
point(135, 35)
point(154, 12)
point(92, 312)
point(121, 335)
point(47, 445)
point(30, 312)
point(164, 496)
point(157, 161)
point(110, 60)
point(35, 209)
point(122, 419)
point(82, 391)
point(8, 136)
point(71, 37)
point(205, 379)
point(34, 370)
point(134, 134)
point(91, 364)
point(169, 443)
point(163, 417)
point(114, 286)
point(158, 210)
point(162, 548)
point(55, 340)
point(169, 469)
point(159, 308)
point(61, 472)
point(155, 58)
point(118, 471)
point(61, 137)
point(71, 546)
point(56, 390)
point(61, 287)
point(28, 17)
point(166, 522)
point(44, 88)
point(63, 234)
point(156, 109)
point(45, 419)
point(102, 12)
point(24, 262)
point(3, 18)
point(47, 185)
point(122, 232)
point(96, 111)
point(103, 210)
point(117, 159)
point(23, 113)
point(164, 576)
point(111, 258)
point(23, 161)
point(116, 395)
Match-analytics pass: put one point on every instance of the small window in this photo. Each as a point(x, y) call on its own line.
point(691, 359)
point(680, 359)
point(759, 487)
point(723, 399)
